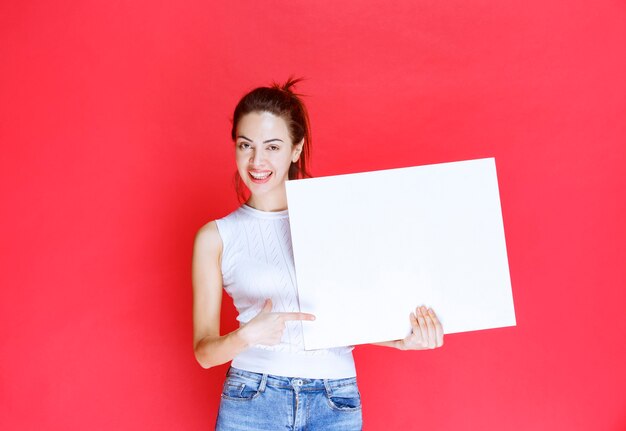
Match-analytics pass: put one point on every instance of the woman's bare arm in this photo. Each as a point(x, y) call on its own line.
point(210, 347)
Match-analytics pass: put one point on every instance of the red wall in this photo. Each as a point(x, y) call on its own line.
point(115, 150)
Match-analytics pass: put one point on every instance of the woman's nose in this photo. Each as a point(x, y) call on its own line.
point(256, 158)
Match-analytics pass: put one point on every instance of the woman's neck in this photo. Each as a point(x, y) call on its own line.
point(268, 203)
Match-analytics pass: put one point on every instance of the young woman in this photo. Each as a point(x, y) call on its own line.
point(273, 383)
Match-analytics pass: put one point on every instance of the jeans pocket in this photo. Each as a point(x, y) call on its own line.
point(344, 398)
point(240, 389)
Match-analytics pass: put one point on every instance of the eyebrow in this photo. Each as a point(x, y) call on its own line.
point(265, 142)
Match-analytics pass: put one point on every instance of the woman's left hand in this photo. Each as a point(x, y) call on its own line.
point(427, 332)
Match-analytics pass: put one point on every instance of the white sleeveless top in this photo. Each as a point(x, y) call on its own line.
point(257, 263)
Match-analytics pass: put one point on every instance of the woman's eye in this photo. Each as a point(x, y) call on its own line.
point(273, 147)
point(244, 146)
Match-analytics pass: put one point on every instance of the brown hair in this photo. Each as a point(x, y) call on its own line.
point(282, 101)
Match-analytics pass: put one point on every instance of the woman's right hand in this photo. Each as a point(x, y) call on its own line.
point(267, 327)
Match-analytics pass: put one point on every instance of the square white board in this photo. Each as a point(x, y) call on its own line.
point(370, 247)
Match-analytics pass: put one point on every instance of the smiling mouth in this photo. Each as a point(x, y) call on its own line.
point(260, 177)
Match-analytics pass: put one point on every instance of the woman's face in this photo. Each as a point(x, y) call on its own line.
point(264, 153)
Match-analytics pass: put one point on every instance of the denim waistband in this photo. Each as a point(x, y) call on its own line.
point(301, 383)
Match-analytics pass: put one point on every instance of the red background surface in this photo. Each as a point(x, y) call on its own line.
point(115, 150)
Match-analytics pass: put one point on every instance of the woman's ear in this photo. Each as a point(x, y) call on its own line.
point(297, 149)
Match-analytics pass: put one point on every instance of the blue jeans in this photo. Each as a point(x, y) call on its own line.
point(255, 402)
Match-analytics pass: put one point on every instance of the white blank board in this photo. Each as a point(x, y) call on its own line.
point(370, 247)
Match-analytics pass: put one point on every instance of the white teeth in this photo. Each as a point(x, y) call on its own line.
point(258, 176)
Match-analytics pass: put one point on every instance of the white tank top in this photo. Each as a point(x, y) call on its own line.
point(257, 263)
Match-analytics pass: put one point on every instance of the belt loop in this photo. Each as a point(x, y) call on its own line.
point(263, 383)
point(329, 391)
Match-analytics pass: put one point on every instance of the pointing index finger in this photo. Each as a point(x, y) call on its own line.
point(297, 316)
